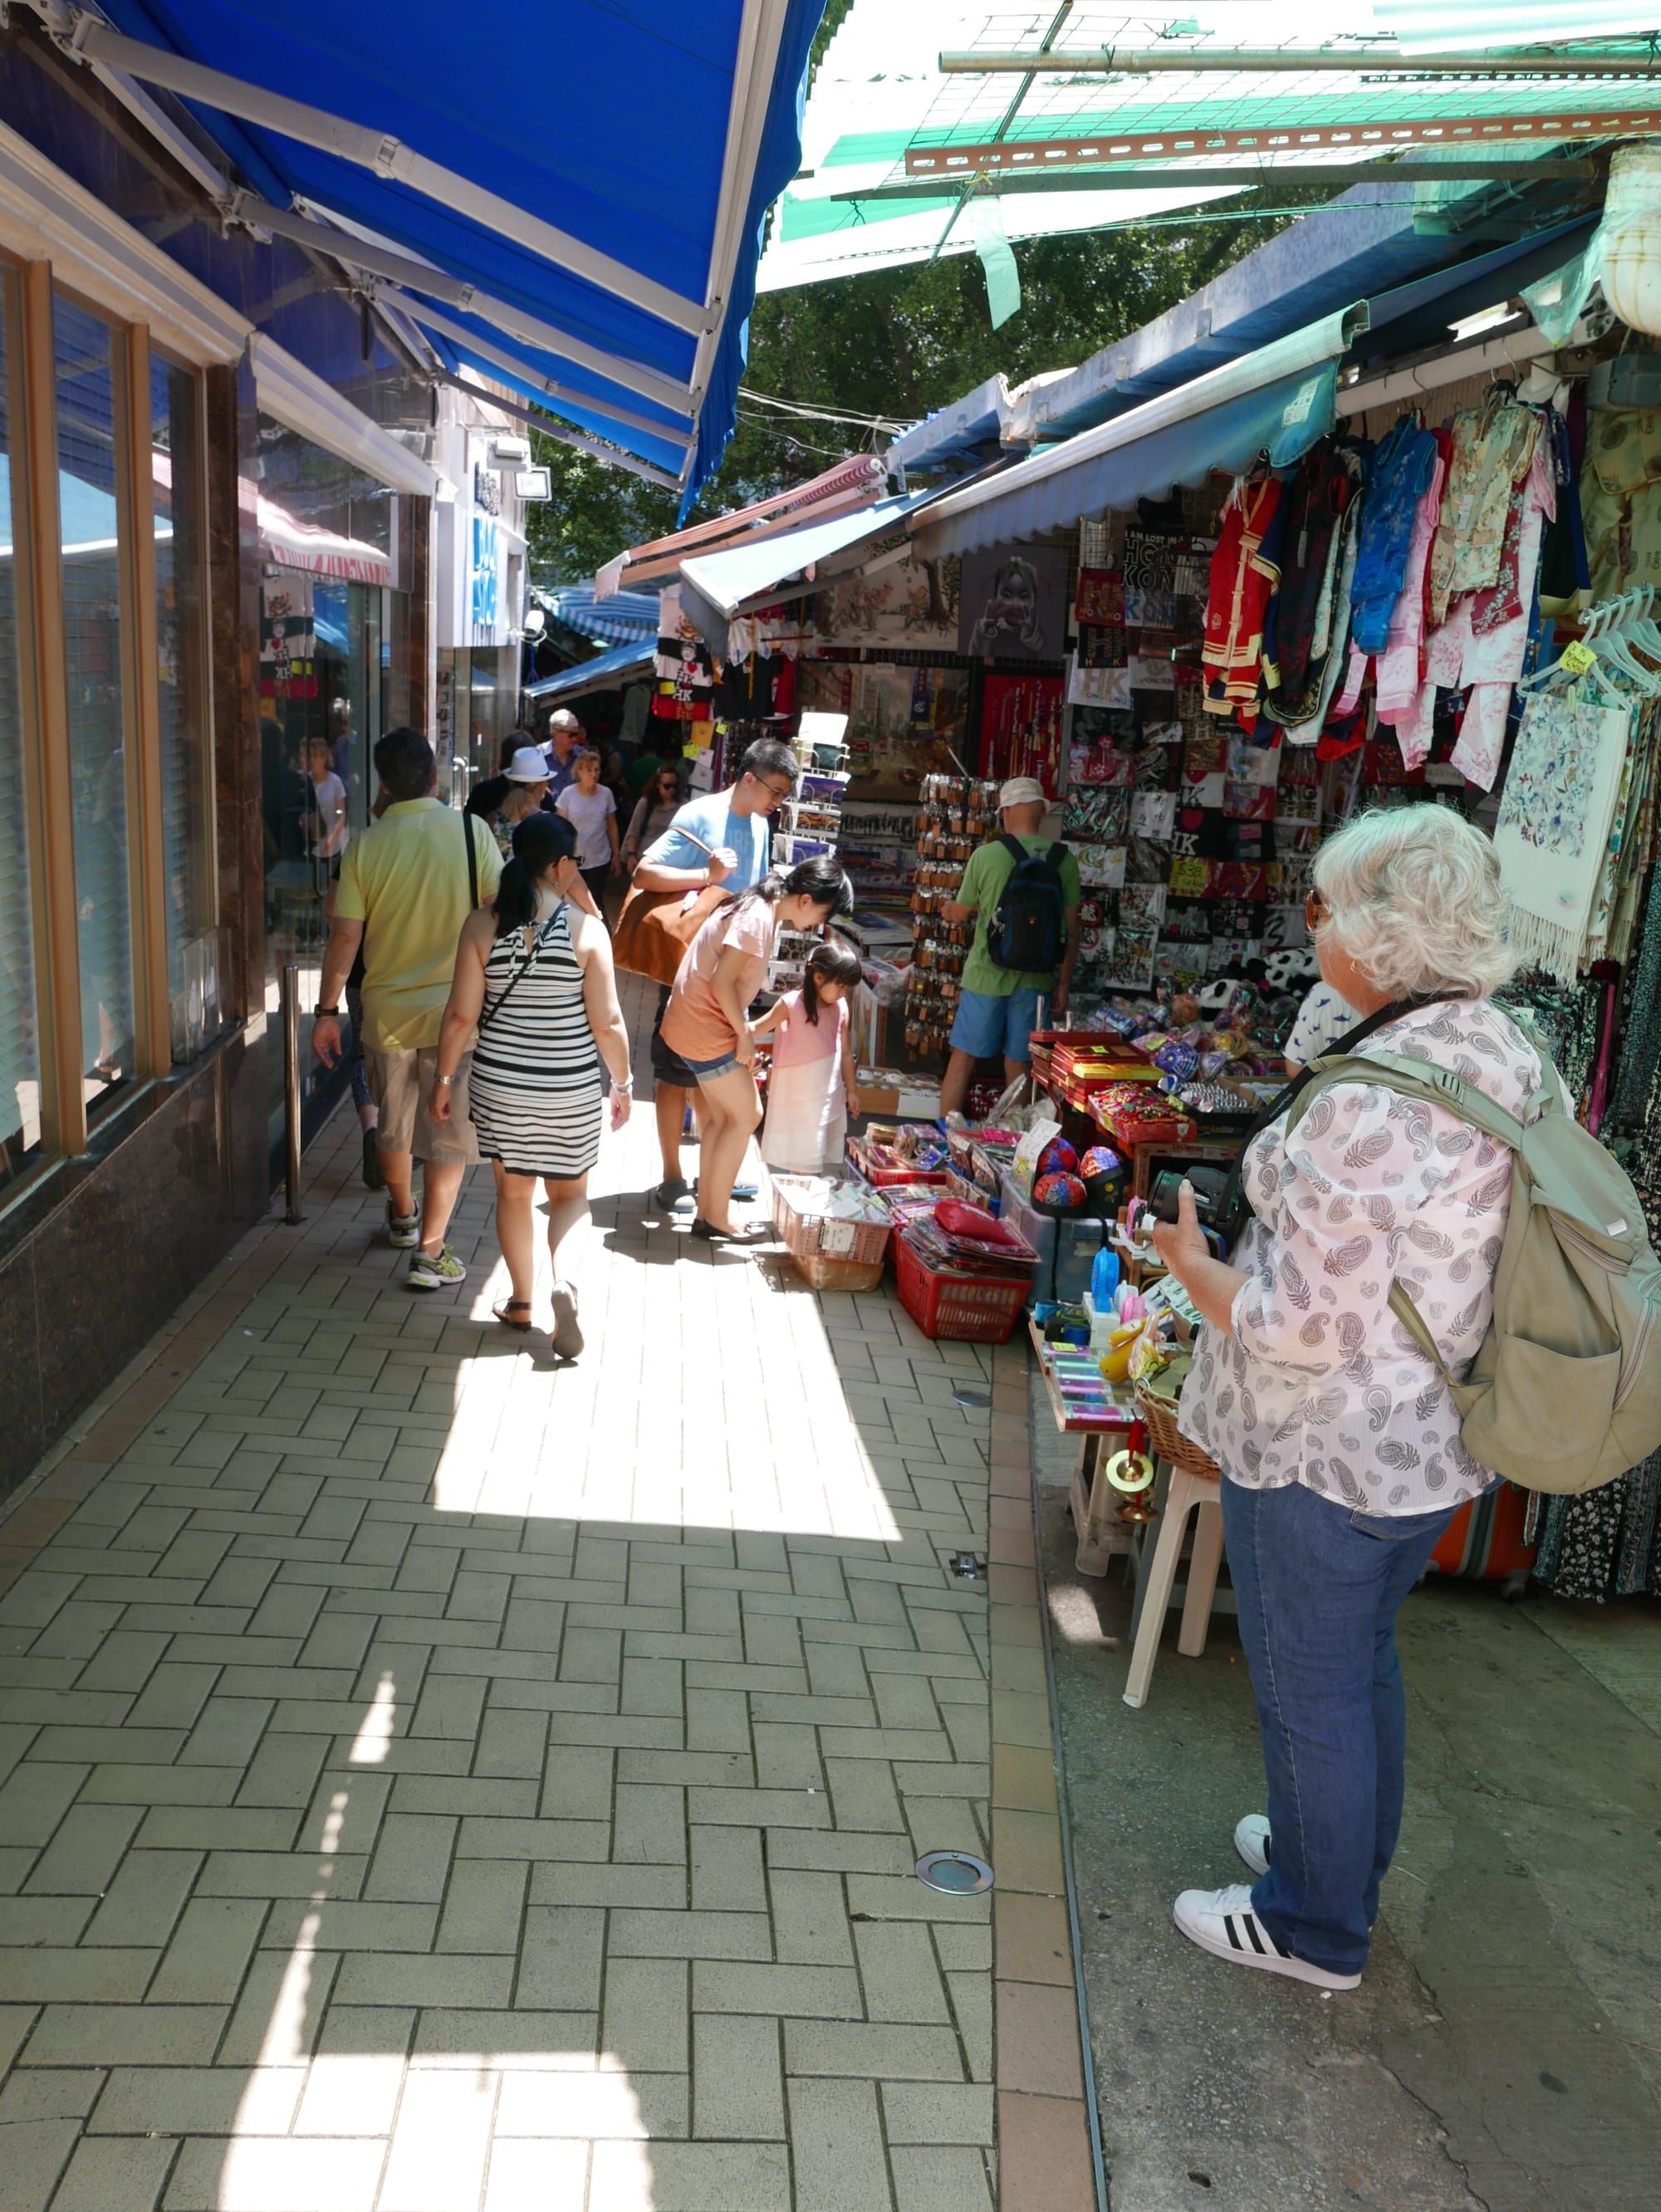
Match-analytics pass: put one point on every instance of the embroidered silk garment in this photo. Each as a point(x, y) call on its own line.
point(1493, 449)
point(1241, 578)
point(1396, 483)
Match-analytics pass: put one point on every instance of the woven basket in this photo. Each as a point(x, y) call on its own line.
point(1160, 1417)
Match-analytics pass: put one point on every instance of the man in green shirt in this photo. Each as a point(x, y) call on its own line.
point(405, 892)
point(997, 1007)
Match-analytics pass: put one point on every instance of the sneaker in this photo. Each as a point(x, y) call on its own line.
point(568, 1334)
point(1221, 1921)
point(1251, 1841)
point(668, 1193)
point(436, 1271)
point(373, 1177)
point(403, 1230)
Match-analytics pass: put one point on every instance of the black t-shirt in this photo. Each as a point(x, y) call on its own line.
point(485, 798)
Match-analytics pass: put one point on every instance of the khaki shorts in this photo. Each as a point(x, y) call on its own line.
point(401, 1084)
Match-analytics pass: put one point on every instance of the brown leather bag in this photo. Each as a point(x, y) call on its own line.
point(655, 928)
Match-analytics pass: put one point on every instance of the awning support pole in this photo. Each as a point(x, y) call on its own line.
point(384, 156)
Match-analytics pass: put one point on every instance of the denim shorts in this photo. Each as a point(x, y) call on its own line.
point(709, 1071)
point(996, 1025)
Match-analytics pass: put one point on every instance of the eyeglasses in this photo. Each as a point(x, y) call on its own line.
point(772, 789)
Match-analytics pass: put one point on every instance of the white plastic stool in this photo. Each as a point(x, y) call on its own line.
point(1185, 1494)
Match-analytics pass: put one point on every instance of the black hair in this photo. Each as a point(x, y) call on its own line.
point(540, 842)
point(820, 879)
point(511, 744)
point(769, 757)
point(829, 963)
point(404, 761)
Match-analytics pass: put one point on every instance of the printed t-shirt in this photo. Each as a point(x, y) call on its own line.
point(989, 870)
point(587, 811)
point(797, 1040)
point(693, 1022)
point(1323, 1019)
point(711, 819)
point(406, 880)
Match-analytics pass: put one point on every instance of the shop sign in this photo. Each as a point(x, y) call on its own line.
point(482, 578)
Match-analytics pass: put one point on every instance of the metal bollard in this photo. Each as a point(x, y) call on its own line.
point(291, 1085)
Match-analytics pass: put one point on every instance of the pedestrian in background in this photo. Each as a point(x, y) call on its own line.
point(654, 813)
point(565, 735)
point(406, 886)
point(591, 811)
point(524, 787)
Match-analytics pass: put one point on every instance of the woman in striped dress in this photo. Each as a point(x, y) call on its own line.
point(534, 977)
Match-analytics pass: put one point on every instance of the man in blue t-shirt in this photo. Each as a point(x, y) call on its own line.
point(732, 849)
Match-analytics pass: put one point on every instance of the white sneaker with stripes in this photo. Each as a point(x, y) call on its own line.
point(1251, 1841)
point(1221, 1921)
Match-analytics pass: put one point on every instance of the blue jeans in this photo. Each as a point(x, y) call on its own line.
point(1318, 1586)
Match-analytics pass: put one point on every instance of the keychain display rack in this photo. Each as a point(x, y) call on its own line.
point(958, 814)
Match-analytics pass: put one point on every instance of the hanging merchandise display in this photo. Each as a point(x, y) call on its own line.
point(1020, 721)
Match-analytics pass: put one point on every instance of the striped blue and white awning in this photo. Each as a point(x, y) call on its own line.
point(626, 618)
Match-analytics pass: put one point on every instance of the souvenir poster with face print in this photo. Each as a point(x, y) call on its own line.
point(1014, 604)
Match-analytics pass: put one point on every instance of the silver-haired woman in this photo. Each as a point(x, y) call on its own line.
point(1337, 1439)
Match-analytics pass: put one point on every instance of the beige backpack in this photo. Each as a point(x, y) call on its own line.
point(1565, 1392)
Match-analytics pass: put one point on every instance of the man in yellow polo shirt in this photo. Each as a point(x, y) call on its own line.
point(406, 883)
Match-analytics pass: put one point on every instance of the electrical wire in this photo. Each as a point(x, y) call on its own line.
point(820, 414)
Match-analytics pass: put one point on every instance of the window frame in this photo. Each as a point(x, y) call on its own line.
point(30, 287)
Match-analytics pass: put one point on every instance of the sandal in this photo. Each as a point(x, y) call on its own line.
point(504, 1314)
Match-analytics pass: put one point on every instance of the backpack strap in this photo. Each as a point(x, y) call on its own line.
point(1013, 846)
point(1437, 1086)
point(1413, 1078)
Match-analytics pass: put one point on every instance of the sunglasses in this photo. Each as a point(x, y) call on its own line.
point(1314, 910)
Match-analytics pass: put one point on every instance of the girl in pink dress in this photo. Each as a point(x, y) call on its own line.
point(810, 1092)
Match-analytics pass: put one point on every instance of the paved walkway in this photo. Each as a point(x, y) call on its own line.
point(436, 1780)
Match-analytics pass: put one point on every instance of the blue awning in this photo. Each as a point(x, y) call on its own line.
point(603, 673)
point(623, 619)
point(1280, 401)
point(593, 225)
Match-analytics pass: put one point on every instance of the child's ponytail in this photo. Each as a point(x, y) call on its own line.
point(828, 963)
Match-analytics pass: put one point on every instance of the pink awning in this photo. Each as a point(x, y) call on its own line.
point(319, 552)
point(854, 482)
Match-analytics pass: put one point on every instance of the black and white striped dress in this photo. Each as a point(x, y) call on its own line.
point(535, 1081)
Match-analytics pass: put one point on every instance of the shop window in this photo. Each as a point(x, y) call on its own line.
point(20, 1035)
point(187, 795)
point(89, 370)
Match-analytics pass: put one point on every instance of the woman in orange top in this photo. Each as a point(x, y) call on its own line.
point(706, 1021)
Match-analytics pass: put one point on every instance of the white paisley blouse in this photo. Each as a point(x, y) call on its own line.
point(1320, 1384)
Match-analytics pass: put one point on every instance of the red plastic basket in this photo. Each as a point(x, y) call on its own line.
point(961, 1308)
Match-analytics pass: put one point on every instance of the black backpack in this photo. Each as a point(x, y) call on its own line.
point(1030, 927)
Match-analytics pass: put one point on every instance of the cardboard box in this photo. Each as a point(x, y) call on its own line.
point(889, 1094)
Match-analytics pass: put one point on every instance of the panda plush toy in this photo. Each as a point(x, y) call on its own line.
point(1288, 970)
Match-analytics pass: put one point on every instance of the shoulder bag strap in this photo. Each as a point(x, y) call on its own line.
point(472, 863)
point(488, 1014)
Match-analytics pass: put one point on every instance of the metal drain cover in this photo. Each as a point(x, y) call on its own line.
point(954, 1872)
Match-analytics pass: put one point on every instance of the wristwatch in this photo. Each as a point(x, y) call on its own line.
point(331, 1012)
